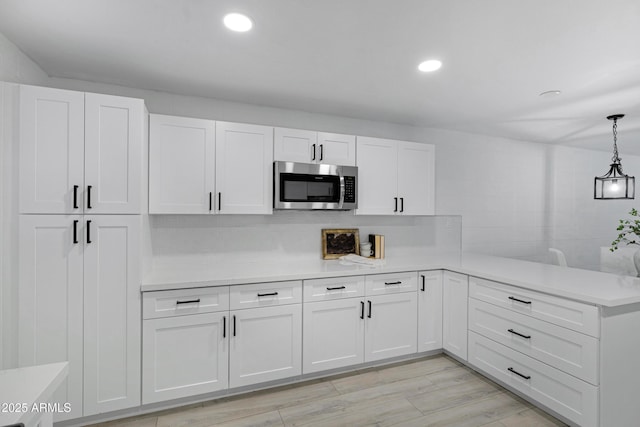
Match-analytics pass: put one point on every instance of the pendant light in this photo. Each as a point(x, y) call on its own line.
point(614, 184)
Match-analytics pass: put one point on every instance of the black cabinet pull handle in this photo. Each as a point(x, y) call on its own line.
point(393, 283)
point(189, 301)
point(88, 231)
point(88, 197)
point(75, 231)
point(396, 208)
point(314, 152)
point(336, 288)
point(423, 282)
point(526, 377)
point(519, 300)
point(224, 326)
point(401, 204)
point(234, 325)
point(210, 200)
point(519, 334)
point(362, 310)
point(369, 315)
point(219, 201)
point(321, 151)
point(269, 294)
point(75, 197)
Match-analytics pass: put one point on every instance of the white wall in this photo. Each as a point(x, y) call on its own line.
point(14, 67)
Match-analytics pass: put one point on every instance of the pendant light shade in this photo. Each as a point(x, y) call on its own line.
point(614, 184)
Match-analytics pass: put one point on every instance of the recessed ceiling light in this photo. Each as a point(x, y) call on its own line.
point(430, 65)
point(550, 93)
point(238, 22)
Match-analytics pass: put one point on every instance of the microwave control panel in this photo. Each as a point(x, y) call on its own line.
point(349, 189)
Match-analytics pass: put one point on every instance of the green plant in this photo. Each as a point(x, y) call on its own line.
point(629, 231)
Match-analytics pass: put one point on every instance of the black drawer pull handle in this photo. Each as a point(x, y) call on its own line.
point(393, 283)
point(314, 152)
point(519, 300)
point(401, 204)
point(396, 208)
point(362, 309)
point(423, 282)
point(75, 231)
point(189, 301)
point(219, 201)
point(75, 197)
point(321, 151)
point(369, 315)
point(336, 288)
point(210, 200)
point(270, 294)
point(526, 377)
point(519, 334)
point(224, 326)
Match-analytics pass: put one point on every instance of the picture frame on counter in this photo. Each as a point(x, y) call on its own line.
point(339, 242)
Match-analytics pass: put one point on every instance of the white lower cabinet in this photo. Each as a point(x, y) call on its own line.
point(184, 356)
point(570, 397)
point(333, 334)
point(391, 326)
point(346, 331)
point(265, 345)
point(455, 291)
point(430, 310)
point(80, 302)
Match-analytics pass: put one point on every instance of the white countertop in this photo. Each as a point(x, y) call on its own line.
point(593, 287)
point(28, 386)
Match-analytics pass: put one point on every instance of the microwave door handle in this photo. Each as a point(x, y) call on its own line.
point(342, 190)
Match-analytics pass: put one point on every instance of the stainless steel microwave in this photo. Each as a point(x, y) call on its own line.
point(307, 186)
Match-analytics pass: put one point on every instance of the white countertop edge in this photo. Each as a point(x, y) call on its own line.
point(591, 287)
point(29, 385)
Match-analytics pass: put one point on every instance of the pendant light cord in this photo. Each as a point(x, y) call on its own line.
point(615, 157)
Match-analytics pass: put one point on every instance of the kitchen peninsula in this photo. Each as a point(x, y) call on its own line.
point(557, 336)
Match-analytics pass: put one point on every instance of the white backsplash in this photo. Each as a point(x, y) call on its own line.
point(291, 236)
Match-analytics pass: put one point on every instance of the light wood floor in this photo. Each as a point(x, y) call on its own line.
point(435, 391)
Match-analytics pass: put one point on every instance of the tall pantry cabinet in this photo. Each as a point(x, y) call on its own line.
point(81, 200)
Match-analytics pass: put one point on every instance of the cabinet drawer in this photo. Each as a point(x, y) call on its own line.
point(185, 301)
point(265, 294)
point(562, 312)
point(333, 288)
point(561, 392)
point(567, 350)
point(382, 284)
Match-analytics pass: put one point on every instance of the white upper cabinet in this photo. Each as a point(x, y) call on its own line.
point(181, 165)
point(244, 168)
point(80, 152)
point(51, 150)
point(395, 177)
point(305, 146)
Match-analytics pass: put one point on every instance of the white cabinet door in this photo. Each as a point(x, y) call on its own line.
point(181, 165)
point(430, 310)
point(336, 149)
point(416, 178)
point(244, 168)
point(294, 145)
point(184, 356)
point(377, 176)
point(391, 326)
point(266, 344)
point(51, 150)
point(50, 301)
point(111, 313)
point(455, 292)
point(114, 138)
point(333, 334)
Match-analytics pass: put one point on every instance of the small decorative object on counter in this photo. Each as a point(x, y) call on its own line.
point(629, 234)
point(377, 245)
point(339, 242)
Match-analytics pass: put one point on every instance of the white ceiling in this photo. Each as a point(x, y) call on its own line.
point(358, 58)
